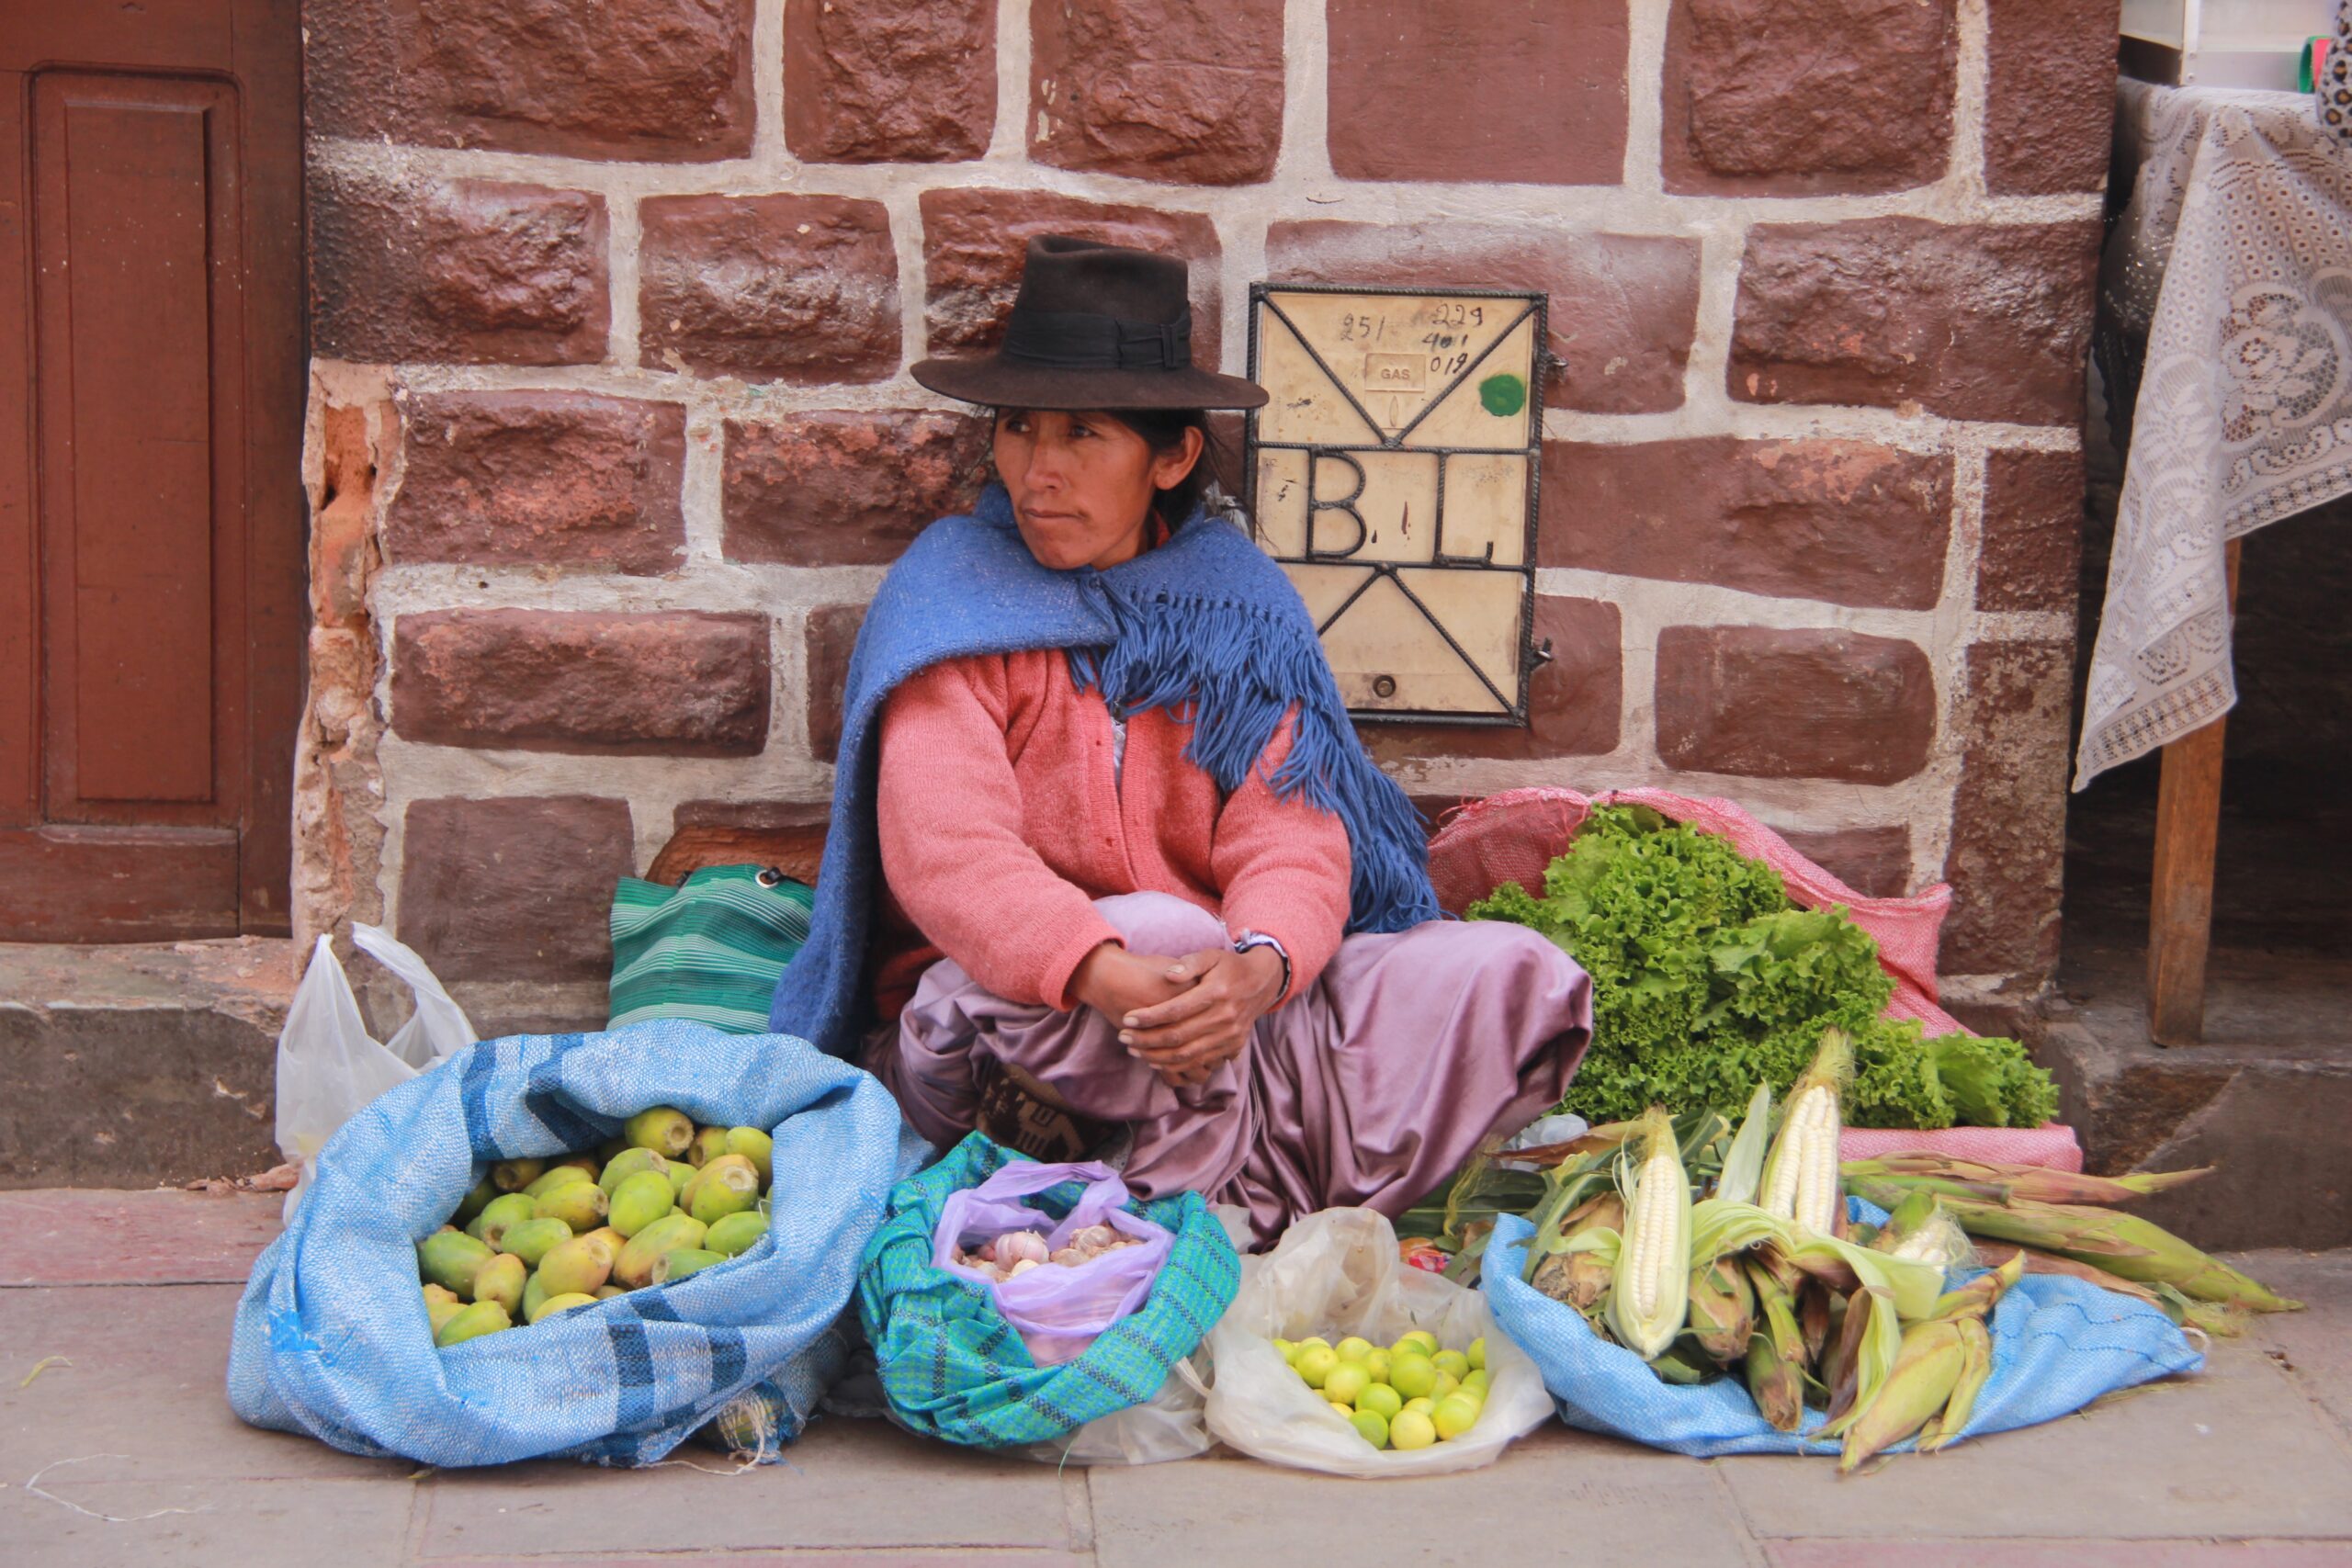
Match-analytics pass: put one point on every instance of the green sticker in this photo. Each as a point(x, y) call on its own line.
point(1502, 395)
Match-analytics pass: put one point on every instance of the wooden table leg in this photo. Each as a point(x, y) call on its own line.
point(2180, 922)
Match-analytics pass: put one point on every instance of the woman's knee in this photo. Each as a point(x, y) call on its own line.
point(1162, 923)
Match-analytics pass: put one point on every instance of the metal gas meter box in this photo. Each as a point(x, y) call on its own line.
point(1392, 472)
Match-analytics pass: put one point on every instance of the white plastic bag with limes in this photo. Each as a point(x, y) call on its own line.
point(1335, 1274)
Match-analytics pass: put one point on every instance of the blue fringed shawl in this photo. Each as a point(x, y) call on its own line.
point(1207, 626)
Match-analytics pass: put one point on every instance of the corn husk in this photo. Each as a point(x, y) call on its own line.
point(1776, 1355)
point(2214, 1318)
point(1976, 1371)
point(2123, 1245)
point(1916, 1388)
point(1975, 1298)
point(2001, 1181)
point(1722, 1310)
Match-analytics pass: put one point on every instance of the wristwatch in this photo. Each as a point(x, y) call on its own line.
point(1243, 940)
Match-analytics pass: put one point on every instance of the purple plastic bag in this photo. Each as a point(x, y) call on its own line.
point(1058, 1309)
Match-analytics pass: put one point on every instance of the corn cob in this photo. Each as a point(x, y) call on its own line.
point(1776, 1356)
point(2004, 1182)
point(2123, 1245)
point(1977, 1298)
point(1650, 1298)
point(1813, 1320)
point(1842, 1363)
point(1582, 1279)
point(1925, 1372)
point(2213, 1318)
point(1801, 1180)
point(1722, 1310)
point(1976, 1371)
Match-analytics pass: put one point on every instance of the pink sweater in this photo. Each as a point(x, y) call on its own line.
point(1002, 819)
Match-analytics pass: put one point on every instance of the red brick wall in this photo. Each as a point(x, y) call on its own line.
point(614, 436)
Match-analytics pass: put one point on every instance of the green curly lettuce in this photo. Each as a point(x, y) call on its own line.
point(1707, 980)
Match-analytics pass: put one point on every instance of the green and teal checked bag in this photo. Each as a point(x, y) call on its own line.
point(709, 949)
point(953, 1368)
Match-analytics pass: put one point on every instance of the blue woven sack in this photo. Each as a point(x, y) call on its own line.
point(330, 1336)
point(951, 1367)
point(2058, 1343)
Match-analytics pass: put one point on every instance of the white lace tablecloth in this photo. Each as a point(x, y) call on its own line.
point(2233, 262)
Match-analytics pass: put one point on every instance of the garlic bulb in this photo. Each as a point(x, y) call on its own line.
point(1018, 1247)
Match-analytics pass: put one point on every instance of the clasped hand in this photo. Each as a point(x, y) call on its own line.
point(1181, 1017)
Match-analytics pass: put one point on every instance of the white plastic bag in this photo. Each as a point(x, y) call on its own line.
point(329, 1066)
point(1337, 1273)
point(1165, 1427)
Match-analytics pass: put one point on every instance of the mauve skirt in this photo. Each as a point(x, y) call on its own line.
point(1370, 1086)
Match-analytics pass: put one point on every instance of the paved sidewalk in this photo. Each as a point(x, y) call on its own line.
point(2249, 1465)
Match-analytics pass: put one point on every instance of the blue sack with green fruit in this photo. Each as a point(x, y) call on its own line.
point(333, 1337)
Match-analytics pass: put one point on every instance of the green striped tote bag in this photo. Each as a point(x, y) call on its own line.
point(709, 949)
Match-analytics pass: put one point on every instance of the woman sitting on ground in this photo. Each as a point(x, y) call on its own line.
point(1151, 876)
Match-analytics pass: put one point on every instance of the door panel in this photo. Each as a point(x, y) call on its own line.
point(151, 386)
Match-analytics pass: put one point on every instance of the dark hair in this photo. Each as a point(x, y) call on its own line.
point(1162, 431)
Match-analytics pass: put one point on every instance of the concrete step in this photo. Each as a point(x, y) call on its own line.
point(141, 1064)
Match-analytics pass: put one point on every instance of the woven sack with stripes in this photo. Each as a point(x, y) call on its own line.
point(709, 949)
point(953, 1368)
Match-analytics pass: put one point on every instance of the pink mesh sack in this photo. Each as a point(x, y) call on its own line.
point(1513, 837)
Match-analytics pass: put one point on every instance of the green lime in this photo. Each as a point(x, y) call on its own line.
point(1346, 1382)
point(1354, 1347)
point(1479, 1353)
point(1454, 1416)
point(1412, 1375)
point(1453, 1361)
point(1381, 1400)
point(1314, 1362)
point(1373, 1427)
point(1411, 1430)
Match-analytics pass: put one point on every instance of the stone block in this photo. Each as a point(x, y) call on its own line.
point(564, 479)
point(800, 288)
point(1807, 97)
point(658, 80)
point(466, 271)
point(845, 489)
point(974, 241)
point(676, 683)
point(832, 638)
point(1623, 307)
point(1801, 704)
point(2048, 95)
point(1850, 522)
point(1872, 860)
point(2033, 530)
point(514, 889)
point(1986, 322)
point(1188, 91)
point(1574, 699)
point(1556, 115)
point(2008, 831)
point(889, 81)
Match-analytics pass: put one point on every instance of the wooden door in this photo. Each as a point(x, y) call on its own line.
point(152, 518)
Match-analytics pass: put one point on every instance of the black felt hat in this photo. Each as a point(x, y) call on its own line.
point(1094, 326)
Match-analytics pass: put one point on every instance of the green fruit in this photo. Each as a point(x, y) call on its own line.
point(728, 1186)
point(554, 1304)
point(708, 1144)
point(439, 1294)
point(533, 1239)
point(1346, 1382)
point(682, 1176)
point(685, 1263)
point(1381, 1400)
point(1476, 1379)
point(614, 1241)
point(634, 1269)
point(757, 1147)
point(1315, 1363)
point(438, 1314)
point(513, 1175)
point(639, 1201)
point(1478, 1354)
point(575, 1267)
point(502, 1280)
point(1354, 1347)
point(1377, 1363)
point(733, 1236)
point(1453, 1361)
point(1412, 1375)
point(450, 1259)
point(582, 1206)
point(1411, 1430)
point(535, 1292)
point(607, 1293)
point(628, 1163)
point(502, 1215)
point(1372, 1427)
point(476, 1199)
point(1454, 1416)
point(1284, 1349)
point(664, 1131)
point(559, 1176)
point(472, 1323)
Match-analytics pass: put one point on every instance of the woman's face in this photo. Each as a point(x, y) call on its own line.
point(1083, 483)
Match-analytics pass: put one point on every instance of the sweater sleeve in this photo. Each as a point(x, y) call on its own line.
point(1283, 868)
point(949, 816)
